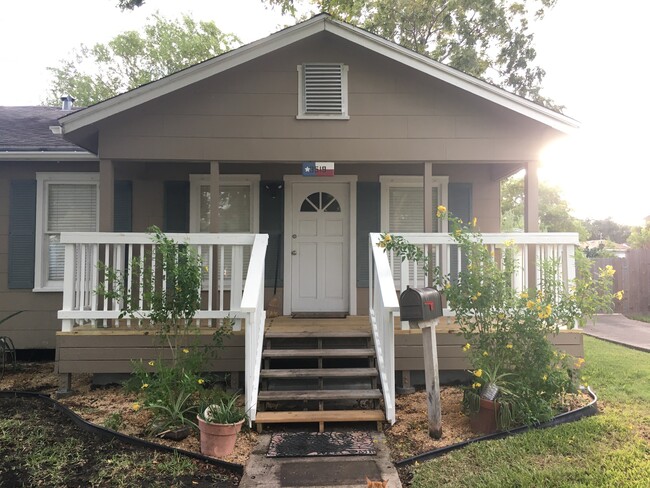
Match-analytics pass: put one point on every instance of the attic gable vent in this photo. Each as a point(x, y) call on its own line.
point(323, 91)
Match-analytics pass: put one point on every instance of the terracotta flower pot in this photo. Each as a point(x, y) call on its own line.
point(485, 420)
point(218, 440)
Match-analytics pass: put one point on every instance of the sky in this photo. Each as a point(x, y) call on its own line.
point(593, 52)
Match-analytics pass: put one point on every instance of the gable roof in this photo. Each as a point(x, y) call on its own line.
point(290, 35)
point(26, 134)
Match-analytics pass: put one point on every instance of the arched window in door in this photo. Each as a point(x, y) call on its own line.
point(320, 201)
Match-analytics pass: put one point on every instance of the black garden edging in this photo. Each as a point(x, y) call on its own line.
point(111, 434)
point(563, 418)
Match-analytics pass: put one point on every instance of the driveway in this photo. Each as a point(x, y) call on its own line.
point(619, 329)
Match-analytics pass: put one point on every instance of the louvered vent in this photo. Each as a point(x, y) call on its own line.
point(323, 88)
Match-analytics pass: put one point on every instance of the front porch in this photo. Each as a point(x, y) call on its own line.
point(97, 338)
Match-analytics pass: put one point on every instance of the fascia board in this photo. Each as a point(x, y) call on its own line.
point(454, 77)
point(190, 75)
point(47, 156)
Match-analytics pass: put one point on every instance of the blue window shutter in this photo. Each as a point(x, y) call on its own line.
point(176, 210)
point(272, 223)
point(460, 205)
point(22, 230)
point(368, 220)
point(122, 206)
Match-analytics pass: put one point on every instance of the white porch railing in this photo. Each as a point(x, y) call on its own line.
point(229, 296)
point(389, 276)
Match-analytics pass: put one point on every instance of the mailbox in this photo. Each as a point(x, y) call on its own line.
point(420, 304)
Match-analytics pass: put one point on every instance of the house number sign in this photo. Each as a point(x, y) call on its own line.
point(317, 169)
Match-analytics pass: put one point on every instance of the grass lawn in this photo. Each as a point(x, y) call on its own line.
point(609, 449)
point(641, 318)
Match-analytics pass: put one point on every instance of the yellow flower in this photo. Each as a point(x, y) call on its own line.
point(152, 363)
point(478, 373)
point(579, 362)
point(485, 353)
point(135, 407)
point(524, 295)
point(457, 232)
point(509, 243)
point(441, 210)
point(501, 316)
point(474, 298)
point(509, 345)
point(145, 386)
point(200, 381)
point(387, 238)
point(530, 304)
point(545, 377)
point(619, 295)
point(476, 385)
point(478, 293)
point(447, 286)
point(466, 347)
point(474, 222)
point(186, 351)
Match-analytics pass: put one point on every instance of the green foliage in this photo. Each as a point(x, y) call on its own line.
point(223, 411)
point(114, 421)
point(486, 39)
point(593, 294)
point(640, 238)
point(173, 303)
point(507, 332)
point(605, 450)
point(607, 229)
point(554, 211)
point(95, 73)
point(597, 252)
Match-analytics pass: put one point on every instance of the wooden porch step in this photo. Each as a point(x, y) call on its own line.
point(319, 373)
point(320, 416)
point(276, 395)
point(325, 334)
point(318, 353)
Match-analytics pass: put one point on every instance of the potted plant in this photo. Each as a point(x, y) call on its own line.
point(219, 423)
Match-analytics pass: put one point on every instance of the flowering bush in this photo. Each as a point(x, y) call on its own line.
point(506, 331)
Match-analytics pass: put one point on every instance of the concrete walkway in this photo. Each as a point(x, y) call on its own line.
point(619, 329)
point(319, 472)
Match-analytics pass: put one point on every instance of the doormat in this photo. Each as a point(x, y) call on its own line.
point(319, 315)
point(307, 444)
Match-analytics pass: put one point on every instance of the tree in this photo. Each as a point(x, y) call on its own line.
point(607, 229)
point(488, 39)
point(132, 58)
point(640, 237)
point(554, 211)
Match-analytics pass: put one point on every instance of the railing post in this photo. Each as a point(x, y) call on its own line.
point(69, 275)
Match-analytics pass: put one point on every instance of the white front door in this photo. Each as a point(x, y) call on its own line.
point(320, 247)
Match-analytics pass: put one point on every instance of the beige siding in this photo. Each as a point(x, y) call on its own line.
point(112, 352)
point(249, 113)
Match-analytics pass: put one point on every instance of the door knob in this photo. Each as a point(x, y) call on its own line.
point(293, 253)
point(294, 236)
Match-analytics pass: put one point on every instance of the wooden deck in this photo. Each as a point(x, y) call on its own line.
point(112, 350)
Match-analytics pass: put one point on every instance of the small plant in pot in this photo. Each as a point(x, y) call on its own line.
point(219, 423)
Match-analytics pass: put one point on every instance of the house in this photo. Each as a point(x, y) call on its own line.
point(317, 137)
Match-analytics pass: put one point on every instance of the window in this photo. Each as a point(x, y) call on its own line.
point(65, 202)
point(322, 91)
point(402, 198)
point(237, 210)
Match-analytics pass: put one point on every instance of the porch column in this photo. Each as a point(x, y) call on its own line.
point(428, 197)
point(106, 195)
point(531, 198)
point(531, 217)
point(214, 197)
point(214, 227)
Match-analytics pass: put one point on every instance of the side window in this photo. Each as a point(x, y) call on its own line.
point(65, 203)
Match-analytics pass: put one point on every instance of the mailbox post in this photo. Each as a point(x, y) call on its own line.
point(422, 307)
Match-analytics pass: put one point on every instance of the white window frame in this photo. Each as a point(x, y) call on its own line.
point(344, 95)
point(390, 181)
point(197, 181)
point(43, 180)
